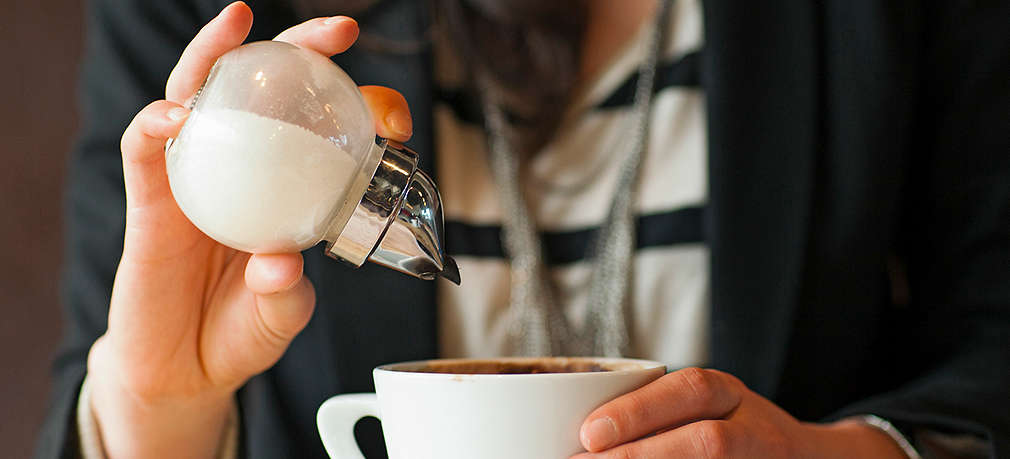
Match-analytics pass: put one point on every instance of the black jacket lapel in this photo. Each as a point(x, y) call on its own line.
point(763, 129)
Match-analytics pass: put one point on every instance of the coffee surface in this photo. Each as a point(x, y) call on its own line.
point(512, 367)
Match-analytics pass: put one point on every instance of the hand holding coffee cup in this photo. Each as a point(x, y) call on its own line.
point(498, 408)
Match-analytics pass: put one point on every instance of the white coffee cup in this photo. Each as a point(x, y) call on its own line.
point(428, 411)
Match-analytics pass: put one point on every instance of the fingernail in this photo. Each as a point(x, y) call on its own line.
point(337, 20)
point(177, 113)
point(600, 434)
point(399, 122)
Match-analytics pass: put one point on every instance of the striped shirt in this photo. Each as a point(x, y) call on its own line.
point(570, 185)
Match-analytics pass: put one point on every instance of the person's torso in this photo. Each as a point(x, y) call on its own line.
point(569, 186)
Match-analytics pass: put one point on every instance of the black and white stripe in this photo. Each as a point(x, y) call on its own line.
point(570, 184)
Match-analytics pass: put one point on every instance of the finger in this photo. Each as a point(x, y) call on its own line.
point(226, 31)
point(143, 149)
point(326, 36)
point(678, 398)
point(390, 112)
point(705, 439)
point(274, 273)
point(284, 298)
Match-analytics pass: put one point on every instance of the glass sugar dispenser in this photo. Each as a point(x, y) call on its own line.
point(279, 153)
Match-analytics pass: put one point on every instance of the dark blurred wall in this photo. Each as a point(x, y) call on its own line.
point(41, 42)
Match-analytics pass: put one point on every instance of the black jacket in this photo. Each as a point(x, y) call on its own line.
point(859, 214)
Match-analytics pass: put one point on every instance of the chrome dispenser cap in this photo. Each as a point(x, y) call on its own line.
point(398, 221)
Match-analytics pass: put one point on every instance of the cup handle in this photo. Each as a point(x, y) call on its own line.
point(336, 419)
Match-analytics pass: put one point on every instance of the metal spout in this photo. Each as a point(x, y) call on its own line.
point(398, 221)
point(413, 243)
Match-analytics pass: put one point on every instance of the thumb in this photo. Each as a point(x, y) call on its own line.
point(285, 298)
point(254, 319)
point(276, 303)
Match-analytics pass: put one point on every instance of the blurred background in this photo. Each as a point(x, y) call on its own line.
point(42, 43)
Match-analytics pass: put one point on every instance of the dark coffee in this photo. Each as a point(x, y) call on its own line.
point(510, 367)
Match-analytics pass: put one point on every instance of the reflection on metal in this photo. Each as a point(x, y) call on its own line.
point(398, 222)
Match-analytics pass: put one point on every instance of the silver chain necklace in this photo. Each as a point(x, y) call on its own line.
point(537, 323)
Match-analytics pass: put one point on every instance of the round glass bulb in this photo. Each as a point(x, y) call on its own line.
point(277, 151)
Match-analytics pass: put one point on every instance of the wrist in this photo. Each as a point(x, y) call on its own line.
point(849, 438)
point(176, 426)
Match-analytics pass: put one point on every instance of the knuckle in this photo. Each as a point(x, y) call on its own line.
point(143, 122)
point(702, 384)
point(146, 125)
point(712, 439)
